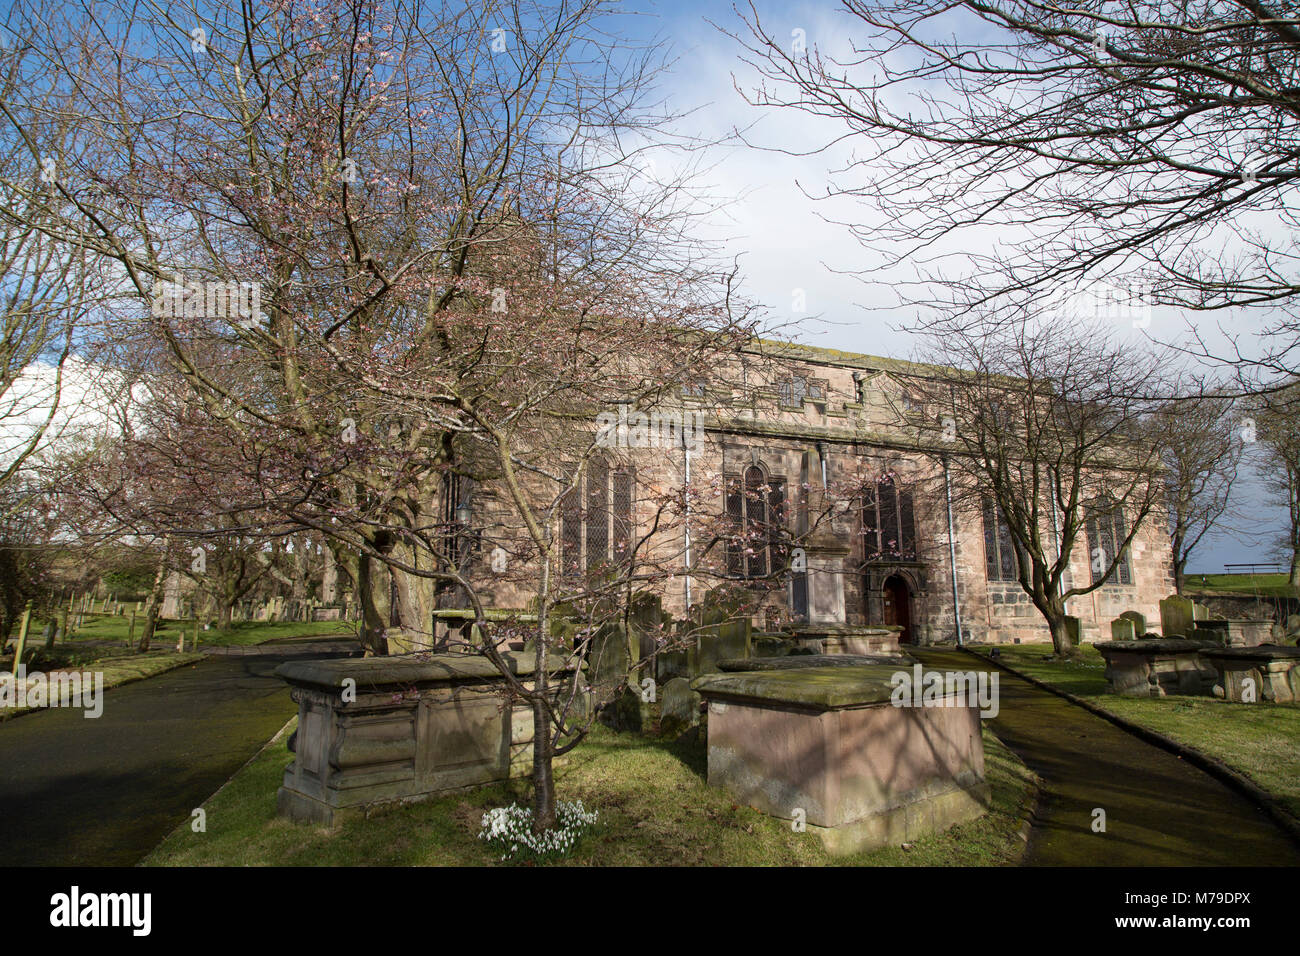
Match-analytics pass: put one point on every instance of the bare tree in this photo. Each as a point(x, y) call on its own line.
point(1149, 144)
point(393, 250)
point(1047, 436)
point(1277, 428)
point(1201, 452)
point(43, 282)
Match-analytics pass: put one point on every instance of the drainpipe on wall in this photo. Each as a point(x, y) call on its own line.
point(686, 451)
point(952, 551)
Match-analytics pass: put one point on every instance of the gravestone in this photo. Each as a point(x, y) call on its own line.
point(1178, 616)
point(1211, 630)
point(1123, 629)
point(609, 660)
point(723, 631)
point(631, 711)
point(681, 708)
point(1139, 622)
point(651, 624)
point(1074, 628)
point(413, 729)
point(721, 641)
point(681, 660)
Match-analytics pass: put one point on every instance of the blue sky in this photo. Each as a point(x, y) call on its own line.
point(787, 247)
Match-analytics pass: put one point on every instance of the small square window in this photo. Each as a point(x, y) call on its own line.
point(793, 392)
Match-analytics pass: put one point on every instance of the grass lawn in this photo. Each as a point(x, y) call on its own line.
point(1266, 585)
point(655, 810)
point(1261, 740)
point(243, 633)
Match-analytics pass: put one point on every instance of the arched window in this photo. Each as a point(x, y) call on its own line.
point(999, 547)
point(756, 509)
point(888, 522)
point(1106, 533)
point(596, 519)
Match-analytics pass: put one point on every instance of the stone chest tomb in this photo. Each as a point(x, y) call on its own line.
point(828, 746)
point(409, 728)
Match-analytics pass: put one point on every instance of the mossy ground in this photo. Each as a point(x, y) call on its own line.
point(117, 669)
point(1260, 740)
point(243, 633)
point(1265, 585)
point(655, 810)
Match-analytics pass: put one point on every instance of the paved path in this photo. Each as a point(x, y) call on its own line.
point(83, 792)
point(1160, 810)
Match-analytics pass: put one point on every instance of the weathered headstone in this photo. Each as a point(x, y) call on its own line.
point(1177, 616)
point(681, 707)
point(1291, 633)
point(721, 641)
point(651, 625)
point(1074, 628)
point(631, 711)
point(1123, 629)
point(609, 660)
point(1139, 621)
point(1211, 630)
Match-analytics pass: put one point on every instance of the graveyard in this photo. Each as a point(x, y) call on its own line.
point(656, 808)
point(476, 434)
point(721, 737)
point(666, 802)
point(728, 734)
point(688, 776)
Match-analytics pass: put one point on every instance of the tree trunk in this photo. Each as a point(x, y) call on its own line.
point(330, 576)
point(1177, 538)
point(225, 614)
point(153, 604)
point(543, 734)
point(1293, 502)
point(543, 772)
point(300, 569)
point(373, 624)
point(1062, 643)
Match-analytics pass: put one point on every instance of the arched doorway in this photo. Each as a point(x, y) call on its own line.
point(896, 597)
